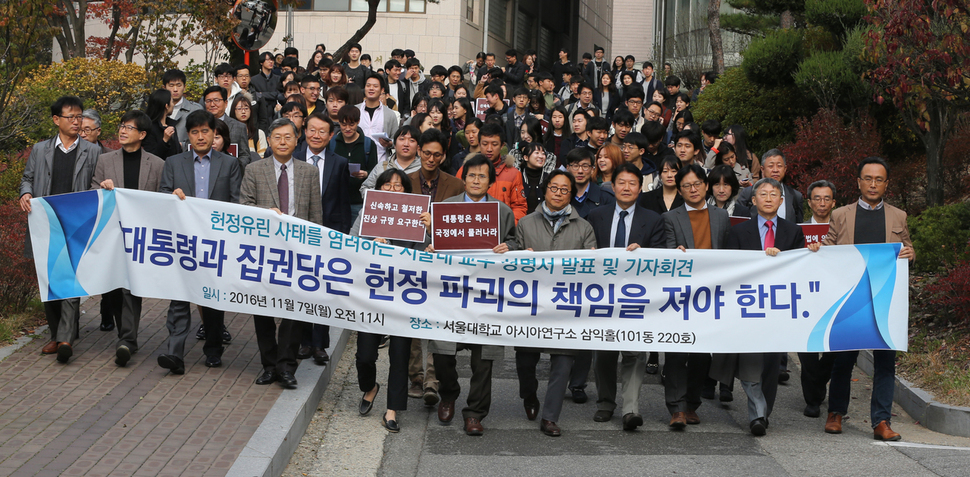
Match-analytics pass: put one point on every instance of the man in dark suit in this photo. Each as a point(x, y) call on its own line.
point(204, 173)
point(289, 187)
point(758, 372)
point(692, 225)
point(59, 165)
point(130, 167)
point(214, 99)
point(335, 199)
point(625, 225)
point(773, 166)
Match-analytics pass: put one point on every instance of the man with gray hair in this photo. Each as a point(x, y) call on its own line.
point(288, 187)
point(767, 231)
point(774, 166)
point(821, 199)
point(91, 131)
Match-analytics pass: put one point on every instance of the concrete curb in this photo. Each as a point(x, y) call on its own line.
point(277, 437)
point(12, 348)
point(933, 415)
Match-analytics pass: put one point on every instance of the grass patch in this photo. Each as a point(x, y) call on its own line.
point(16, 325)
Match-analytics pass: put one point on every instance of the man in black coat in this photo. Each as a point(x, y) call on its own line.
point(624, 225)
point(773, 165)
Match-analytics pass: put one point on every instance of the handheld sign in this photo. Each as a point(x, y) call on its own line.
point(393, 215)
point(481, 105)
point(465, 225)
point(738, 220)
point(814, 232)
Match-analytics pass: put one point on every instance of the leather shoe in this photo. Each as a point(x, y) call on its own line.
point(430, 397)
point(883, 432)
point(365, 405)
point(49, 348)
point(758, 427)
point(320, 356)
point(783, 376)
point(678, 420)
point(726, 395)
point(171, 363)
point(226, 337)
point(268, 377)
point(550, 428)
point(107, 325)
point(304, 352)
point(213, 361)
point(64, 352)
point(833, 425)
point(416, 390)
point(390, 425)
point(602, 416)
point(286, 380)
point(473, 427)
point(200, 334)
point(579, 396)
point(693, 418)
point(812, 410)
point(632, 421)
point(122, 355)
point(707, 392)
point(653, 368)
point(531, 404)
point(446, 411)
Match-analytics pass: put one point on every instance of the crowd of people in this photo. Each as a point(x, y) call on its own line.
point(587, 155)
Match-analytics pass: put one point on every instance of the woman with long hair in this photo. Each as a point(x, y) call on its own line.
point(461, 112)
point(536, 164)
point(724, 187)
point(736, 136)
point(399, 350)
point(618, 66)
point(606, 98)
point(242, 111)
point(666, 197)
point(608, 158)
point(314, 64)
point(558, 135)
point(726, 155)
point(470, 139)
point(337, 77)
point(220, 140)
point(161, 140)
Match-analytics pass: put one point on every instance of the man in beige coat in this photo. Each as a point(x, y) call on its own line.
point(130, 167)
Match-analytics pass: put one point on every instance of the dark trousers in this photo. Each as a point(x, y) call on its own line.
point(815, 375)
point(581, 366)
point(317, 336)
point(479, 388)
point(277, 346)
point(398, 353)
point(69, 309)
point(559, 372)
point(883, 384)
point(111, 305)
point(180, 320)
point(684, 375)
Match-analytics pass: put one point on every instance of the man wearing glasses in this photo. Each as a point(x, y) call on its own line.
point(589, 195)
point(693, 225)
point(215, 100)
point(773, 165)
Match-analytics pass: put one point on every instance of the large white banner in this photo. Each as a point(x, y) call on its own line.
point(250, 260)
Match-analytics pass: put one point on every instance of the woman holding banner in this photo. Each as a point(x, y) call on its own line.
point(391, 180)
point(553, 226)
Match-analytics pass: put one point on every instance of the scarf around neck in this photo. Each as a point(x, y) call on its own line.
point(556, 219)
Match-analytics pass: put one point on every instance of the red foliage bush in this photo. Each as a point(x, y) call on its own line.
point(827, 148)
point(18, 280)
point(950, 295)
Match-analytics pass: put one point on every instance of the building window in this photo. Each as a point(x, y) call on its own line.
point(392, 6)
point(498, 18)
point(470, 10)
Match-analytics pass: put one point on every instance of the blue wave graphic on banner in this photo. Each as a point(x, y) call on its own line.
point(862, 321)
point(73, 218)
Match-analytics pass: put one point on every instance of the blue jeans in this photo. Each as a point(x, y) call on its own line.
point(883, 384)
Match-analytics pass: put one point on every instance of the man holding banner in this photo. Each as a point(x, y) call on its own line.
point(202, 173)
point(869, 220)
point(758, 372)
point(693, 225)
point(478, 175)
point(288, 187)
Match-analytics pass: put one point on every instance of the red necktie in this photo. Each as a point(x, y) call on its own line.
point(769, 236)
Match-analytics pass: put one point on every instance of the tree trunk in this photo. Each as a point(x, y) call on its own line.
point(714, 27)
point(787, 19)
point(71, 36)
point(935, 138)
point(109, 53)
point(341, 52)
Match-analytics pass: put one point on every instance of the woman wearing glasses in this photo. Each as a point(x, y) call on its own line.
point(553, 226)
point(391, 180)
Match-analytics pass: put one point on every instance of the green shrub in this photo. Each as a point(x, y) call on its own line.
point(940, 236)
point(767, 113)
point(836, 16)
point(831, 81)
point(773, 59)
point(11, 171)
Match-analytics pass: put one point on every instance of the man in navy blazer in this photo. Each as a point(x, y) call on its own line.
point(335, 196)
point(624, 225)
point(200, 172)
point(758, 372)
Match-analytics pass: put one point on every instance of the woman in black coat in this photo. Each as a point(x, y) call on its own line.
point(606, 91)
point(161, 140)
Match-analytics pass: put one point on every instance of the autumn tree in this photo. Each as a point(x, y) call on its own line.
point(920, 52)
point(24, 42)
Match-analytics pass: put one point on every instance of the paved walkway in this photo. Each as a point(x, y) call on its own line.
point(92, 418)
